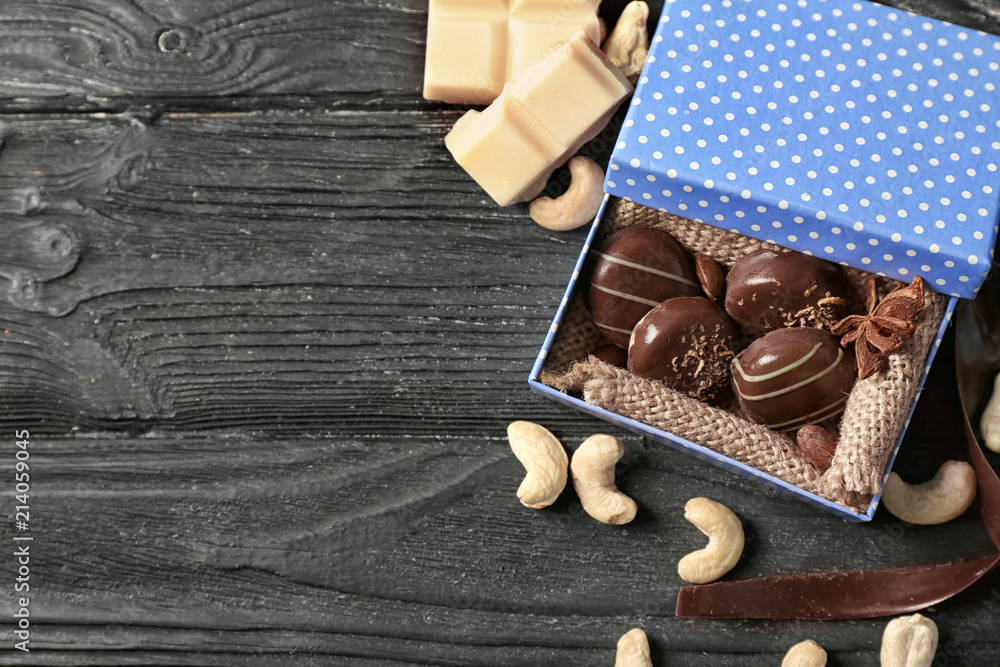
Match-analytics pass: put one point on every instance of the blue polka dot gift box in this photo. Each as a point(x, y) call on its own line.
point(847, 130)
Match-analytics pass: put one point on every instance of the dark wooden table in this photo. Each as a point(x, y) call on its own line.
point(265, 337)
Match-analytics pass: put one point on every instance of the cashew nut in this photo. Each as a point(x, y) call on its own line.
point(990, 424)
point(593, 471)
point(805, 654)
point(909, 641)
point(545, 460)
point(942, 499)
point(628, 44)
point(578, 205)
point(725, 541)
point(633, 650)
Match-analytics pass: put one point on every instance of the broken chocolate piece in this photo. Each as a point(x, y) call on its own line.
point(475, 47)
point(539, 121)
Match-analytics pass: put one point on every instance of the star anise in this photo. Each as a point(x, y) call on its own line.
point(885, 326)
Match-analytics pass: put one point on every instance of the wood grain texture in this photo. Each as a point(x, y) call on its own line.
point(413, 550)
point(267, 338)
point(117, 55)
point(114, 54)
point(234, 267)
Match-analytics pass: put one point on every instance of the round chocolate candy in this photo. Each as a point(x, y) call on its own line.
point(687, 343)
point(637, 268)
point(793, 377)
point(768, 290)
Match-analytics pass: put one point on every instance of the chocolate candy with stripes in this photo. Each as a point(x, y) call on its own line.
point(636, 269)
point(793, 377)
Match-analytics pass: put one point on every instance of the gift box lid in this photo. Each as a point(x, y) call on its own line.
point(843, 129)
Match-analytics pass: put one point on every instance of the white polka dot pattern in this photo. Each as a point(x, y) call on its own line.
point(848, 130)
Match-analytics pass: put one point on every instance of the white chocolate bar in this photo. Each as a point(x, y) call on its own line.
point(474, 47)
point(539, 121)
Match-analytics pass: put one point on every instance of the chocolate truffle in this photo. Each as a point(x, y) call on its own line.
point(793, 377)
point(637, 268)
point(768, 290)
point(687, 343)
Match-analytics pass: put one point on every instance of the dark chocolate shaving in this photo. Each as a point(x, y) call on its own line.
point(835, 595)
point(872, 593)
point(977, 361)
point(989, 486)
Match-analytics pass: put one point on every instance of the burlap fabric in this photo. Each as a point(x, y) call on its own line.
point(875, 412)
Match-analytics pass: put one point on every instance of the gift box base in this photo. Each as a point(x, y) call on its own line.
point(852, 511)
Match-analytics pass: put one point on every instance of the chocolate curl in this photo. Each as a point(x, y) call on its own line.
point(977, 360)
point(890, 592)
point(835, 595)
point(989, 485)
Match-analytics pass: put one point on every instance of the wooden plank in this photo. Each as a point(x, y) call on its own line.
point(109, 54)
point(261, 270)
point(414, 550)
point(116, 55)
